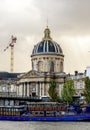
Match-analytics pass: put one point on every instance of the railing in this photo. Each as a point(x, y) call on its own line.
point(19, 97)
point(77, 77)
point(7, 93)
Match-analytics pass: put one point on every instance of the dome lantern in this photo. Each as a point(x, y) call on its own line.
point(47, 34)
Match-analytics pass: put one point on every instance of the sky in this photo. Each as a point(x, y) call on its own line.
point(68, 20)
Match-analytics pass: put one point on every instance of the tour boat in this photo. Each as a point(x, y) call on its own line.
point(44, 111)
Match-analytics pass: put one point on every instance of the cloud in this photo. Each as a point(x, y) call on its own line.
point(68, 20)
point(67, 15)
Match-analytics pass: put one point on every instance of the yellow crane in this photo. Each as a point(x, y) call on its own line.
point(13, 40)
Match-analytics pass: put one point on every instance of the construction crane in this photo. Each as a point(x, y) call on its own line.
point(13, 40)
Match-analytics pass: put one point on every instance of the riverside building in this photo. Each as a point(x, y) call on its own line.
point(47, 60)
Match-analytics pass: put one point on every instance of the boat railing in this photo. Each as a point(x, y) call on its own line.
point(47, 108)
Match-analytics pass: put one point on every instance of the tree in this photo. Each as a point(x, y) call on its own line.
point(53, 92)
point(68, 91)
point(87, 89)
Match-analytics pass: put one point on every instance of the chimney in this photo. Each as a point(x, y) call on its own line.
point(76, 73)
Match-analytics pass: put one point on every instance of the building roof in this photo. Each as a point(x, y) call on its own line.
point(47, 45)
point(8, 76)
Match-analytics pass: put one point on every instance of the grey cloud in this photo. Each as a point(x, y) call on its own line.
point(67, 18)
point(69, 15)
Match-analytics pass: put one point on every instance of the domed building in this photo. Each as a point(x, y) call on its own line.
point(47, 65)
point(47, 55)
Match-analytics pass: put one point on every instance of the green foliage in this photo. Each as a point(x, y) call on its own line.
point(87, 89)
point(68, 91)
point(53, 93)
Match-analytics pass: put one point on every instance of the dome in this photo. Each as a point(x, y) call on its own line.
point(47, 45)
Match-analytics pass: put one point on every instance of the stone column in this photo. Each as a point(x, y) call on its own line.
point(18, 87)
point(25, 89)
point(37, 89)
point(38, 85)
point(44, 89)
point(40, 90)
point(28, 89)
point(48, 85)
point(20, 90)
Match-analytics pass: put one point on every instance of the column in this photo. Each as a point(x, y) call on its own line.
point(37, 89)
point(40, 90)
point(25, 89)
point(28, 89)
point(30, 93)
point(17, 89)
point(45, 89)
point(22, 89)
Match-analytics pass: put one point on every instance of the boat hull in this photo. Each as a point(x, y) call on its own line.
point(61, 118)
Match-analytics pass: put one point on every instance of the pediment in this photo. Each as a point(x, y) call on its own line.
point(32, 73)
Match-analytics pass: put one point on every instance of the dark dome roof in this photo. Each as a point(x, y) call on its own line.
point(47, 45)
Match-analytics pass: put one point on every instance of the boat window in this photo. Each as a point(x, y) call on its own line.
point(36, 113)
point(41, 112)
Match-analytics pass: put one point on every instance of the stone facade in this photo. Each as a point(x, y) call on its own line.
point(8, 88)
point(47, 65)
point(43, 63)
point(79, 82)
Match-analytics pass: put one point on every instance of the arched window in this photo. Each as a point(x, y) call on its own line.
point(51, 66)
point(40, 66)
point(61, 66)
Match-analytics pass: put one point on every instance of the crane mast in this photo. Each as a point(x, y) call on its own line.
point(13, 40)
point(12, 59)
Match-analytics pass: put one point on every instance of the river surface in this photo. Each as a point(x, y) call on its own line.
point(11, 125)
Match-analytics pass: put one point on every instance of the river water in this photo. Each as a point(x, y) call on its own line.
point(11, 125)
